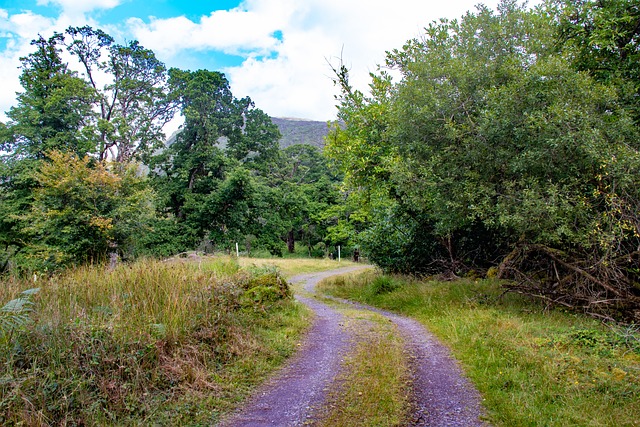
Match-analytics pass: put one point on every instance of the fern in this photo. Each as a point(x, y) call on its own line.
point(16, 313)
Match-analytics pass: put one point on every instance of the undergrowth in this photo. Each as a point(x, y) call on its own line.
point(533, 367)
point(150, 343)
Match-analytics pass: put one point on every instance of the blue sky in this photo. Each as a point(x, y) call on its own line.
point(274, 51)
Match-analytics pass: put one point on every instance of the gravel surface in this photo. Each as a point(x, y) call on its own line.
point(290, 397)
point(443, 396)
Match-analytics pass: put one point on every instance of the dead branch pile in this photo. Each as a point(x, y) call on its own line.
point(605, 288)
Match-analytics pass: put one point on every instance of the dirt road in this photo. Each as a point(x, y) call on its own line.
point(443, 396)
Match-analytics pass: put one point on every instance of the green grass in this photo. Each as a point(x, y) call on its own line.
point(293, 266)
point(372, 388)
point(533, 367)
point(149, 343)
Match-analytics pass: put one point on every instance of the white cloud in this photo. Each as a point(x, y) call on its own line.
point(288, 77)
point(296, 82)
point(239, 30)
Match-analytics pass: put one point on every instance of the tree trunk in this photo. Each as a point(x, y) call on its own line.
point(291, 243)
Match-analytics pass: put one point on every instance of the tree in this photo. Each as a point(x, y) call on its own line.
point(603, 38)
point(83, 210)
point(52, 113)
point(203, 177)
point(253, 137)
point(306, 185)
point(53, 109)
point(493, 147)
point(133, 105)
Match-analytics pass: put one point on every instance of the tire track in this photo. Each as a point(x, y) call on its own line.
point(290, 397)
point(443, 397)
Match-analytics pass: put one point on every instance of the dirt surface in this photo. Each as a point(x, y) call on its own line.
point(442, 395)
point(291, 396)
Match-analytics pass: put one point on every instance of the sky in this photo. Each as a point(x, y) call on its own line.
point(275, 51)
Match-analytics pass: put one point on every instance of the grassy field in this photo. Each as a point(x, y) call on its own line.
point(534, 367)
point(149, 343)
point(293, 266)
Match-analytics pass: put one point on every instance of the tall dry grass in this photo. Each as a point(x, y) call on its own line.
point(146, 343)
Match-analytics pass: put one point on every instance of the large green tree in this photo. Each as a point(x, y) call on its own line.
point(603, 38)
point(51, 113)
point(305, 185)
point(203, 177)
point(133, 104)
point(492, 144)
point(53, 108)
point(113, 111)
point(83, 210)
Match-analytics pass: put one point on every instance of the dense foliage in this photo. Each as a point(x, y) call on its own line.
point(86, 174)
point(503, 142)
point(497, 148)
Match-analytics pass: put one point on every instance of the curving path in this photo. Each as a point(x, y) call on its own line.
point(290, 397)
point(443, 396)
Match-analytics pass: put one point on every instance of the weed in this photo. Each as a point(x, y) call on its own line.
point(15, 314)
point(382, 285)
point(147, 343)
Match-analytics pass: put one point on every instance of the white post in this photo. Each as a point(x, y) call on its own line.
point(338, 253)
point(237, 252)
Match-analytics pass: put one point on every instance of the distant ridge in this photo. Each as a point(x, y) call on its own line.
point(294, 131)
point(301, 131)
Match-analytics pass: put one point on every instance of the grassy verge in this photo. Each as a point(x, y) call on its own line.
point(372, 389)
point(151, 343)
point(533, 367)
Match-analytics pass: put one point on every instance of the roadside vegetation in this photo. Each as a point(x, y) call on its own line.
point(153, 343)
point(510, 143)
point(533, 366)
point(508, 149)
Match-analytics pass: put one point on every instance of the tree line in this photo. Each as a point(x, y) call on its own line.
point(86, 172)
point(508, 145)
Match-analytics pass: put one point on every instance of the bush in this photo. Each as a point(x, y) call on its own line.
point(265, 286)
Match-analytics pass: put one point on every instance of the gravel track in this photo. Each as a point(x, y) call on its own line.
point(290, 397)
point(443, 397)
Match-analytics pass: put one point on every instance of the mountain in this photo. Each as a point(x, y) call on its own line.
point(300, 131)
point(294, 131)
